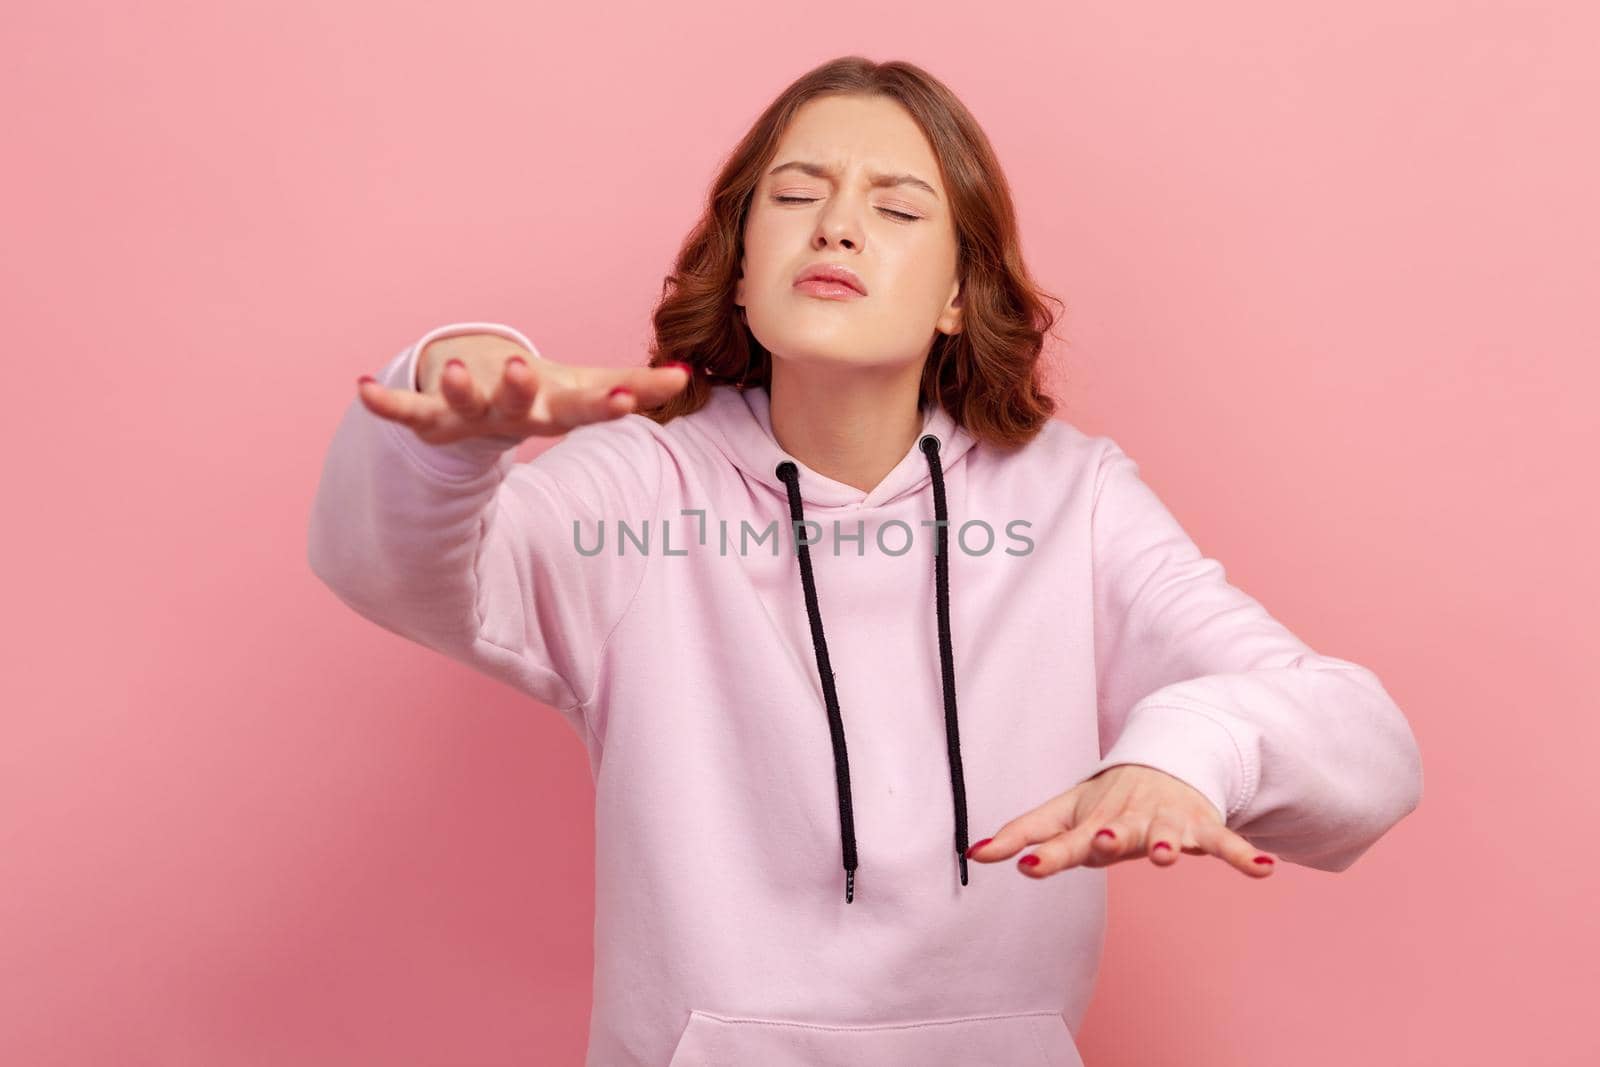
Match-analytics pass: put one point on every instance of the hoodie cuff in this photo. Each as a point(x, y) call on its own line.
point(457, 460)
point(1189, 744)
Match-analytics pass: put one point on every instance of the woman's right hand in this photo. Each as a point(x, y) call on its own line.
point(490, 386)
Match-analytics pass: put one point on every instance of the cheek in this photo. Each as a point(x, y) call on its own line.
point(921, 278)
point(759, 243)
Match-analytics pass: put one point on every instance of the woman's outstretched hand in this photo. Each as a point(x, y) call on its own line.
point(1122, 813)
point(479, 385)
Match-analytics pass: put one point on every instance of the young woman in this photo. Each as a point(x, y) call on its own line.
point(824, 590)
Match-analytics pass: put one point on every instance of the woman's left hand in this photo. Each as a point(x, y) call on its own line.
point(1122, 813)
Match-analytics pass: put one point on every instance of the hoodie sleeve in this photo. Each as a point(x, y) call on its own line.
point(1305, 755)
point(460, 548)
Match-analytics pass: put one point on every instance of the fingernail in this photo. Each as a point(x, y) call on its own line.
point(1030, 860)
point(1263, 859)
point(516, 359)
point(679, 363)
point(620, 389)
point(1162, 844)
point(1106, 833)
point(976, 845)
point(364, 379)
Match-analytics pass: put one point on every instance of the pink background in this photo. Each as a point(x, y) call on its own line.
point(1331, 275)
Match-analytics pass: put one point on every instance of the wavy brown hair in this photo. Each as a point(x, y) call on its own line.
point(988, 375)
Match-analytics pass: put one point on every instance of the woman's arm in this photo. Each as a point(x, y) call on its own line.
point(460, 548)
point(1303, 754)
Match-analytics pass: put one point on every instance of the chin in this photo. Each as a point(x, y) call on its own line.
point(813, 346)
point(822, 338)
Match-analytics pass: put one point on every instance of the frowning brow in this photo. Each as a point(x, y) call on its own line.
point(817, 170)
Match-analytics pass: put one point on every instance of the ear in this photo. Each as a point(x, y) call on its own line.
point(950, 318)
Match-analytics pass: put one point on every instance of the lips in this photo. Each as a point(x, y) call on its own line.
point(832, 272)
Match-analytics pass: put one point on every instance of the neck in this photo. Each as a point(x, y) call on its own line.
point(852, 425)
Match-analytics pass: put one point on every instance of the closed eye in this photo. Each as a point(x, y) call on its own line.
point(901, 215)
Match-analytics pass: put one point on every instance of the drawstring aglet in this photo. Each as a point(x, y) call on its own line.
point(849, 885)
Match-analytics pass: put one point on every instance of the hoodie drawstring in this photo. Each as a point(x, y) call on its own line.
point(789, 473)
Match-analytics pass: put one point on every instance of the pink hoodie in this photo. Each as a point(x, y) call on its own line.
point(791, 750)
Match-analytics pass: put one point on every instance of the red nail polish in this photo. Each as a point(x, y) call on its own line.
point(976, 845)
point(620, 389)
point(364, 379)
point(1263, 859)
point(1161, 844)
point(1106, 833)
point(1030, 860)
point(680, 364)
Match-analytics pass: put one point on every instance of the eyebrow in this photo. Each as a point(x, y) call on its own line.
point(817, 170)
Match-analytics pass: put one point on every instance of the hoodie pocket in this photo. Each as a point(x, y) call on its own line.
point(1019, 1039)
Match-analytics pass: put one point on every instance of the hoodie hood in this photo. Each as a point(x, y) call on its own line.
point(742, 422)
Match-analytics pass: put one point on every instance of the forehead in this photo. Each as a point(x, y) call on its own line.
point(859, 134)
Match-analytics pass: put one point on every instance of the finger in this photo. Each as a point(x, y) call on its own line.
point(1040, 824)
point(1096, 841)
point(1162, 840)
point(570, 406)
point(592, 394)
point(519, 384)
point(661, 382)
point(1226, 845)
point(1104, 826)
point(648, 384)
point(405, 406)
point(461, 391)
point(1113, 839)
point(1070, 848)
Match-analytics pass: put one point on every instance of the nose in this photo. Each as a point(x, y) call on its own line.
point(839, 224)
